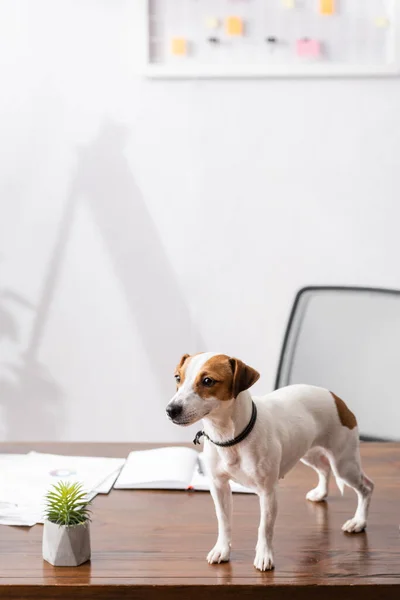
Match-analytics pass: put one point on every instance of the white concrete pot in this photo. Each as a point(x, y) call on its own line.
point(66, 546)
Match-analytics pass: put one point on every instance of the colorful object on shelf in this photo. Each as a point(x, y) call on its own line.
point(212, 23)
point(270, 38)
point(327, 7)
point(178, 46)
point(382, 22)
point(308, 48)
point(234, 26)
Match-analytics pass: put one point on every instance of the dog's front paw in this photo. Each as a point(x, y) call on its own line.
point(220, 553)
point(354, 525)
point(264, 560)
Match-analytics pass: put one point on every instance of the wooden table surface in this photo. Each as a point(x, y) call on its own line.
point(150, 544)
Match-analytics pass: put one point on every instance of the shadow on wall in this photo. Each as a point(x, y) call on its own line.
point(28, 395)
point(103, 180)
point(147, 278)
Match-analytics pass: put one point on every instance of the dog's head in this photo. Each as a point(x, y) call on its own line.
point(203, 382)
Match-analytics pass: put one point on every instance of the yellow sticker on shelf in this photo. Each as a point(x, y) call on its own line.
point(288, 3)
point(234, 26)
point(327, 7)
point(212, 23)
point(178, 46)
point(382, 22)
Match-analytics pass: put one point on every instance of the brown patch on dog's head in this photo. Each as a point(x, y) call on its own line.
point(181, 369)
point(228, 377)
point(347, 418)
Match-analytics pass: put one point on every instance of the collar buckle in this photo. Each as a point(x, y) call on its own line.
point(198, 437)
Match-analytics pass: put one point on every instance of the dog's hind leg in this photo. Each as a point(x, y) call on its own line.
point(346, 466)
point(317, 459)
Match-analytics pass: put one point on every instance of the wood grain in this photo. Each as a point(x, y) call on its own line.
point(152, 544)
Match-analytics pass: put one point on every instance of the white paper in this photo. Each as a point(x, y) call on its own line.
point(107, 485)
point(10, 512)
point(96, 474)
point(17, 520)
point(161, 468)
point(25, 479)
point(9, 457)
point(13, 514)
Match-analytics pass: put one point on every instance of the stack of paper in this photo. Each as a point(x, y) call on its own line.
point(26, 478)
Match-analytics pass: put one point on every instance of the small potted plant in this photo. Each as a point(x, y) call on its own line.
point(66, 532)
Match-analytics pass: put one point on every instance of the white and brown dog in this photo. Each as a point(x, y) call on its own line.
point(256, 441)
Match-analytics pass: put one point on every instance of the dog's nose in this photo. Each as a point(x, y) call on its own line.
point(174, 410)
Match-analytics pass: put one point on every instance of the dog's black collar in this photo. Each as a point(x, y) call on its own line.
point(235, 440)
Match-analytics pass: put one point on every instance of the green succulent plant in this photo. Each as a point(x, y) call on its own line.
point(67, 504)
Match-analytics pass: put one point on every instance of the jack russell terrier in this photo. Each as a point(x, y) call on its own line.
point(257, 440)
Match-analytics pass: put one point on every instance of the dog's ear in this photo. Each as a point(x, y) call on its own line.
point(243, 376)
point(182, 361)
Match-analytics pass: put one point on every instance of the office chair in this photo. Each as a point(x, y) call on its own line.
point(347, 339)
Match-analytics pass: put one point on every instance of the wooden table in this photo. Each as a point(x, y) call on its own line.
point(154, 544)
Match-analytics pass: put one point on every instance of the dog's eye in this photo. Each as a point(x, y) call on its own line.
point(208, 382)
point(177, 379)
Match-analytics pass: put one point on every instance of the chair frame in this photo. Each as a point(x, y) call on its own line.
point(292, 316)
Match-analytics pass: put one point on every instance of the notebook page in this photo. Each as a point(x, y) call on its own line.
point(161, 468)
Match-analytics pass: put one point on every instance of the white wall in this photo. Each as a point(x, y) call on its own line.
point(144, 219)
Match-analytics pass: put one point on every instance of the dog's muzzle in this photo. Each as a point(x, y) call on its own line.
point(174, 411)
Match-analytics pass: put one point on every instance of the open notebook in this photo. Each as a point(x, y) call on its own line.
point(167, 469)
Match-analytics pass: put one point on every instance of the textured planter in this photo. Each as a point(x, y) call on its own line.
point(66, 546)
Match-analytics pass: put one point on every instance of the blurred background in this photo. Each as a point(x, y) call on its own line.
point(142, 219)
